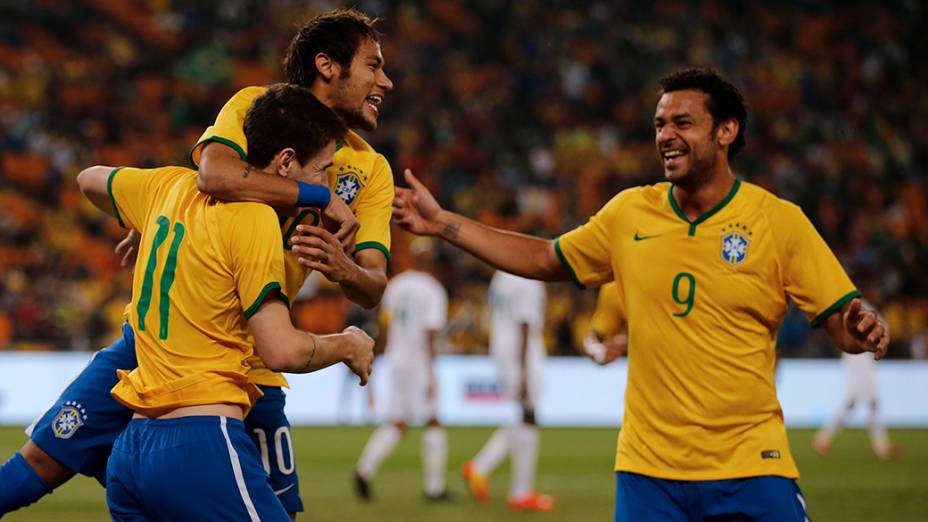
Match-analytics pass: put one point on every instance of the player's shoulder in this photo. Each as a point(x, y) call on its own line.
point(775, 207)
point(644, 195)
point(247, 211)
point(248, 94)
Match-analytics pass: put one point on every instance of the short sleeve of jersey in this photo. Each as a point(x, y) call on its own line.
point(609, 317)
point(229, 125)
point(437, 311)
point(375, 210)
point(813, 277)
point(586, 251)
point(256, 259)
point(131, 193)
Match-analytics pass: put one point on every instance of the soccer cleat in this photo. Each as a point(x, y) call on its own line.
point(444, 496)
point(532, 501)
point(362, 487)
point(476, 482)
point(889, 452)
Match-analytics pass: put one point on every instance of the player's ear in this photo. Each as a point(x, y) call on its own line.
point(327, 67)
point(726, 132)
point(286, 162)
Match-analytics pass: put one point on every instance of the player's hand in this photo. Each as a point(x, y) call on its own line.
point(359, 352)
point(615, 347)
point(415, 209)
point(320, 250)
point(866, 328)
point(128, 248)
point(338, 216)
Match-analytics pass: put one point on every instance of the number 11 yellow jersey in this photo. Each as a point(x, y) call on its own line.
point(704, 300)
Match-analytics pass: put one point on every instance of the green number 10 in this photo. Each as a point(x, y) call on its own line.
point(690, 293)
point(167, 275)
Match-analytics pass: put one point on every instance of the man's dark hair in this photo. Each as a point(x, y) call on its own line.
point(337, 34)
point(289, 116)
point(723, 103)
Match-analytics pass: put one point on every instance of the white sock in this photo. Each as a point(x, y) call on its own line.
point(434, 459)
point(377, 448)
point(879, 438)
point(524, 460)
point(493, 451)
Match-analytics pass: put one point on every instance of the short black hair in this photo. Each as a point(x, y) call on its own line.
point(724, 101)
point(289, 116)
point(337, 34)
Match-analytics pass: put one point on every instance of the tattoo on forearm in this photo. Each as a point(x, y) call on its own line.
point(450, 231)
point(248, 170)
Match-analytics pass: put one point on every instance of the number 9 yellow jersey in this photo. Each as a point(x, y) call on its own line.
point(704, 300)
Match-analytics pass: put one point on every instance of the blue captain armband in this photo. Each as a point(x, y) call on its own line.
point(313, 195)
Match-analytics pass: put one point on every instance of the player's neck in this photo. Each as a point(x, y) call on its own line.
point(697, 199)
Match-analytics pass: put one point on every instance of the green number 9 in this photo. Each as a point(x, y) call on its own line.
point(690, 293)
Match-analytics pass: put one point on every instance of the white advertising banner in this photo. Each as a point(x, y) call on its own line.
point(577, 392)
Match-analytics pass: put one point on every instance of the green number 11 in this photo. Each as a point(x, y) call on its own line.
point(167, 275)
point(690, 293)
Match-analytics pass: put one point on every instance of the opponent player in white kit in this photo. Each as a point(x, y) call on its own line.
point(860, 386)
point(416, 308)
point(517, 306)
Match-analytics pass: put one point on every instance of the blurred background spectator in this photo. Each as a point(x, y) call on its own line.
point(529, 115)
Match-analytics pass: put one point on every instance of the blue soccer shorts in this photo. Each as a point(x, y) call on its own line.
point(269, 429)
point(79, 429)
point(756, 499)
point(189, 468)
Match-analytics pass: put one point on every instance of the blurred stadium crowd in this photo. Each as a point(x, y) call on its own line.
point(528, 115)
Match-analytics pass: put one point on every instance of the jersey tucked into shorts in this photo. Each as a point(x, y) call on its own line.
point(514, 302)
point(414, 303)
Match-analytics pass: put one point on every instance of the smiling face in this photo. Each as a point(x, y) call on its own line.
point(359, 89)
point(686, 138)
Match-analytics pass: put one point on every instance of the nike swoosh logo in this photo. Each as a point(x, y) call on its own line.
point(642, 238)
point(282, 491)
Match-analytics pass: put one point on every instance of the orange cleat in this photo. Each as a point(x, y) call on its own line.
point(476, 482)
point(532, 502)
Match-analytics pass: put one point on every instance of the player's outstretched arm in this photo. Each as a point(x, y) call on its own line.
point(856, 329)
point(283, 348)
point(223, 175)
point(416, 210)
point(92, 182)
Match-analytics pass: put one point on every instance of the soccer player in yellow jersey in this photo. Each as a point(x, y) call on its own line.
point(336, 54)
point(607, 339)
point(706, 265)
point(209, 275)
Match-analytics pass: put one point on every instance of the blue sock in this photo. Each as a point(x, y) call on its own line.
point(19, 485)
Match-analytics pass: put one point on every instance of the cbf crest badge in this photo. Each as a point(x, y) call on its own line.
point(735, 243)
point(347, 186)
point(69, 419)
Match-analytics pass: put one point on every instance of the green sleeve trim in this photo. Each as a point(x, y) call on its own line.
point(270, 287)
point(820, 318)
point(373, 244)
point(218, 139)
point(109, 192)
point(570, 269)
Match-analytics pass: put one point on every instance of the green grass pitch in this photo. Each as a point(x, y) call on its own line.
point(575, 466)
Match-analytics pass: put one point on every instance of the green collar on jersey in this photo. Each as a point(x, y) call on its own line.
point(707, 215)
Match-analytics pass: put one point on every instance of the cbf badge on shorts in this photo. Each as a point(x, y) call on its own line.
point(735, 242)
point(69, 419)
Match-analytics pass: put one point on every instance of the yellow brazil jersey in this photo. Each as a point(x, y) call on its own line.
point(609, 317)
point(359, 175)
point(704, 300)
point(203, 268)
